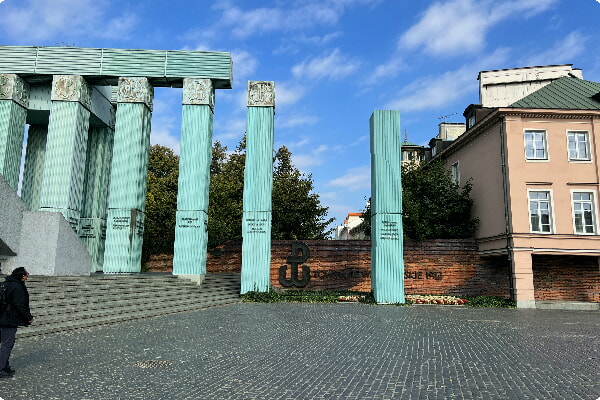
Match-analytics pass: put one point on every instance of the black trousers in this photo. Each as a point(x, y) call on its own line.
point(7, 337)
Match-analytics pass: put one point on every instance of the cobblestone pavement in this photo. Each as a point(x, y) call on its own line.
point(319, 351)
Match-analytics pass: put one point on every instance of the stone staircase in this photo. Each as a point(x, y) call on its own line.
point(68, 303)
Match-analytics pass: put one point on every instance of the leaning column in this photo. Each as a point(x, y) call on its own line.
point(64, 165)
point(128, 177)
point(14, 99)
point(387, 261)
point(258, 187)
point(191, 229)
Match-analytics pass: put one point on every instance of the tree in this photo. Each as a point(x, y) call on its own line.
point(297, 212)
point(161, 201)
point(433, 205)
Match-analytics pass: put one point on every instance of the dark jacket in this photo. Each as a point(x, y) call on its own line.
point(17, 298)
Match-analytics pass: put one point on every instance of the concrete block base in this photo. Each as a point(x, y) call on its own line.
point(49, 246)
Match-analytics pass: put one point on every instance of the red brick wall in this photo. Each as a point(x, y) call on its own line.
point(431, 267)
point(568, 278)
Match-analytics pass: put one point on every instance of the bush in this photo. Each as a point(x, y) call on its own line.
point(490, 301)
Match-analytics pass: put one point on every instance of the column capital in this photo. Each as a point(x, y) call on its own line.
point(198, 92)
point(135, 90)
point(71, 88)
point(261, 94)
point(13, 87)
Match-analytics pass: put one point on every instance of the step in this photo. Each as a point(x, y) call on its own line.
point(68, 303)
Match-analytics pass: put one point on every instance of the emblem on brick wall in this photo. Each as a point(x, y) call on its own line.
point(300, 254)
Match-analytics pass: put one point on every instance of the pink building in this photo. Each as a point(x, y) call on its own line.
point(532, 150)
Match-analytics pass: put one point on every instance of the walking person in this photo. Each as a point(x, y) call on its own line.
point(16, 314)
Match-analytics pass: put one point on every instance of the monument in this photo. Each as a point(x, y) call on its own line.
point(258, 187)
point(89, 115)
point(387, 261)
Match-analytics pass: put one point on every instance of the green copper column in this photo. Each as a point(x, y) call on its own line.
point(128, 177)
point(34, 166)
point(14, 98)
point(191, 232)
point(92, 224)
point(64, 166)
point(387, 259)
point(258, 187)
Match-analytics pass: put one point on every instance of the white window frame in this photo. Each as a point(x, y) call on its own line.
point(455, 171)
point(594, 211)
point(550, 210)
point(588, 148)
point(546, 152)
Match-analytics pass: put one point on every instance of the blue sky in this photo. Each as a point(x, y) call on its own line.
point(333, 63)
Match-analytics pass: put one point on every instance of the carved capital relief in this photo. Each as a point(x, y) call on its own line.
point(71, 88)
point(261, 94)
point(198, 92)
point(12, 87)
point(135, 90)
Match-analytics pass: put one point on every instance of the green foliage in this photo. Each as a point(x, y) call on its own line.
point(304, 296)
point(161, 201)
point(434, 206)
point(489, 301)
point(297, 211)
point(226, 195)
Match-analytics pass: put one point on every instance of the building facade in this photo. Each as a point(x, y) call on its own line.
point(535, 173)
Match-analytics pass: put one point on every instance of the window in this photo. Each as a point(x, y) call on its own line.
point(539, 211)
point(535, 145)
point(583, 212)
point(579, 146)
point(455, 173)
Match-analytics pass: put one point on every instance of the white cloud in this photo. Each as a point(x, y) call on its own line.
point(434, 92)
point(354, 180)
point(455, 27)
point(32, 21)
point(312, 159)
point(387, 71)
point(564, 51)
point(333, 66)
point(244, 66)
point(292, 121)
point(164, 138)
point(288, 93)
point(298, 16)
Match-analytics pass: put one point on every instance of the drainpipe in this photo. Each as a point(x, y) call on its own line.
point(506, 208)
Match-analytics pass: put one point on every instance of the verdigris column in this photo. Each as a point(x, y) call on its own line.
point(64, 166)
point(92, 224)
point(191, 229)
point(258, 187)
point(14, 98)
point(128, 177)
point(33, 170)
point(387, 259)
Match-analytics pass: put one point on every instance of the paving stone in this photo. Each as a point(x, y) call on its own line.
point(318, 351)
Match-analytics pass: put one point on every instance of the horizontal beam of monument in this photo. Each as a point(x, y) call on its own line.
point(163, 68)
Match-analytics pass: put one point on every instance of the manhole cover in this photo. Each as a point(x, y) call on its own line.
point(154, 364)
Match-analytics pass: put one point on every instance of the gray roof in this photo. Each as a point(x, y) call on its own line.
point(564, 93)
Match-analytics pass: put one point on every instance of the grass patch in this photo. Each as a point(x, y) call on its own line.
point(489, 301)
point(306, 296)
